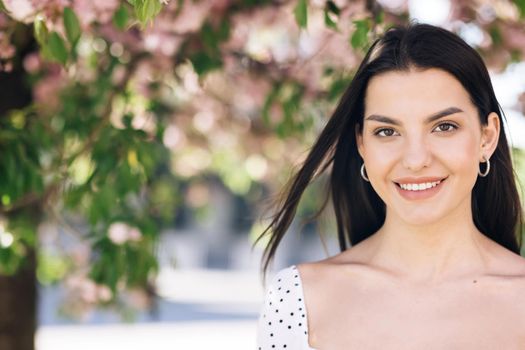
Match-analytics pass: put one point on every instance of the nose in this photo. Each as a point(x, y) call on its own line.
point(416, 155)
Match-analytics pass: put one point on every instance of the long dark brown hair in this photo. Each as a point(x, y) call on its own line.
point(359, 211)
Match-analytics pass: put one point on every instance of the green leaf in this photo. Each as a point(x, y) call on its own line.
point(72, 26)
point(41, 32)
point(331, 14)
point(2, 6)
point(208, 35)
point(328, 19)
point(359, 38)
point(146, 10)
point(203, 63)
point(521, 7)
point(120, 18)
point(380, 17)
point(268, 103)
point(301, 13)
point(496, 36)
point(57, 47)
point(332, 7)
point(223, 32)
point(212, 36)
point(338, 87)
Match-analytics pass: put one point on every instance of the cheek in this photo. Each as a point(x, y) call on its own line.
point(381, 163)
point(459, 153)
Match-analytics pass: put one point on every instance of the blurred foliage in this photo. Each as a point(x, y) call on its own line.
point(136, 103)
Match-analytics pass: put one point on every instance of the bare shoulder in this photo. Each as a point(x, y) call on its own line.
point(515, 279)
point(508, 277)
point(508, 263)
point(331, 268)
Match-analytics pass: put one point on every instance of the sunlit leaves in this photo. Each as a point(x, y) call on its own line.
point(81, 169)
point(20, 165)
point(337, 83)
point(521, 7)
point(359, 38)
point(121, 16)
point(53, 45)
point(518, 158)
point(57, 47)
point(41, 32)
point(165, 198)
point(203, 62)
point(131, 263)
point(72, 26)
point(331, 14)
point(301, 13)
point(210, 58)
point(280, 110)
point(146, 10)
point(495, 35)
point(16, 235)
point(51, 267)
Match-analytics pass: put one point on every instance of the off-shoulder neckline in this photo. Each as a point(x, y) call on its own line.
point(306, 340)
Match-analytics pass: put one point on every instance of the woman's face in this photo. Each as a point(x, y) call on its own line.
point(421, 127)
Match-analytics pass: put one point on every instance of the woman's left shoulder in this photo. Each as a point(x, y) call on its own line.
point(507, 268)
point(512, 269)
point(511, 264)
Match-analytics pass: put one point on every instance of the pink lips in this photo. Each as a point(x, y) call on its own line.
point(420, 195)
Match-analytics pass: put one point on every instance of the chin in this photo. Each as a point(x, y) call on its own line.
point(421, 218)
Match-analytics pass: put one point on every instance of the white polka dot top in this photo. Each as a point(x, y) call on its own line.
point(282, 322)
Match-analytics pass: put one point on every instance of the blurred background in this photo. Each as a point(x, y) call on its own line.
point(141, 142)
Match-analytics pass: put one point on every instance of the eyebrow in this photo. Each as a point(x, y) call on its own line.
point(429, 119)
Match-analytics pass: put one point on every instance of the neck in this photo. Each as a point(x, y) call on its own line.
point(430, 253)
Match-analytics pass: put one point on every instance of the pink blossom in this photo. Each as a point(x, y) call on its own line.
point(51, 9)
point(190, 18)
point(4, 20)
point(90, 11)
point(104, 294)
point(21, 10)
point(46, 92)
point(138, 298)
point(134, 234)
point(87, 290)
point(6, 50)
point(120, 232)
point(32, 62)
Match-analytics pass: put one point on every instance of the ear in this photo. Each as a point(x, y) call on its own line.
point(489, 136)
point(359, 141)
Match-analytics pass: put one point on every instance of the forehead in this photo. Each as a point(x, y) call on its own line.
point(415, 93)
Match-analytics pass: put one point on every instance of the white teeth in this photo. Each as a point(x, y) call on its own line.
point(419, 187)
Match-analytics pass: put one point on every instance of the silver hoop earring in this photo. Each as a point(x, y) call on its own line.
point(363, 173)
point(486, 170)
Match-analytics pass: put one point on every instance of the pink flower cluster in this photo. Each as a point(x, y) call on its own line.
point(120, 233)
point(88, 11)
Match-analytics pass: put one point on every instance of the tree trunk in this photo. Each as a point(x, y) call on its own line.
point(18, 293)
point(18, 296)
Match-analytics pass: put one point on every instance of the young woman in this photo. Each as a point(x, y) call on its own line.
point(423, 189)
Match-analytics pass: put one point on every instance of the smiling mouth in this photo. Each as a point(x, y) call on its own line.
point(438, 183)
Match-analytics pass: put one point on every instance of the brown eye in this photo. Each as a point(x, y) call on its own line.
point(447, 127)
point(386, 132)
